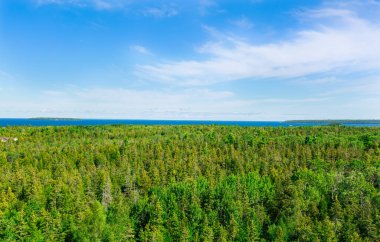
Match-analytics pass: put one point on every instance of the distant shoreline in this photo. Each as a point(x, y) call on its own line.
point(336, 121)
point(51, 121)
point(306, 121)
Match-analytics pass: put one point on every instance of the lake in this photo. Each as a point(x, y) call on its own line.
point(86, 122)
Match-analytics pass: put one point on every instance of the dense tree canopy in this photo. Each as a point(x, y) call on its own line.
point(190, 183)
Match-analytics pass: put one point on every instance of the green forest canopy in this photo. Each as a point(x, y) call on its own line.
point(190, 183)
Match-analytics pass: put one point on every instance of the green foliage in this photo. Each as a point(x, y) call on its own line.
point(190, 183)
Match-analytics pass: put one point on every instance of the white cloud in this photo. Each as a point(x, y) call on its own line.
point(205, 5)
point(149, 104)
point(4, 76)
point(98, 4)
point(160, 12)
point(140, 49)
point(348, 42)
point(367, 86)
point(242, 23)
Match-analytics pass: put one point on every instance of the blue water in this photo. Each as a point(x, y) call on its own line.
point(86, 122)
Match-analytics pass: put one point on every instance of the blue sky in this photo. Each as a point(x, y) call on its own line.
point(196, 59)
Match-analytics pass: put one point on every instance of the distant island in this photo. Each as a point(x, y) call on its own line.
point(335, 121)
point(55, 119)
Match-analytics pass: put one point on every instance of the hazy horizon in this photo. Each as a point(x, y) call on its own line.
point(201, 120)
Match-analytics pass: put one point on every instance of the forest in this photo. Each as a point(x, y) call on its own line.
point(189, 183)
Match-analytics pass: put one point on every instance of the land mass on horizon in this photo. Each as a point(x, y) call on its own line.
point(315, 121)
point(336, 121)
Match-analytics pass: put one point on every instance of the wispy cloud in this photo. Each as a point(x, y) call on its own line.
point(140, 49)
point(97, 4)
point(243, 23)
point(5, 76)
point(156, 11)
point(152, 104)
point(368, 86)
point(205, 5)
point(323, 48)
point(160, 12)
point(6, 79)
